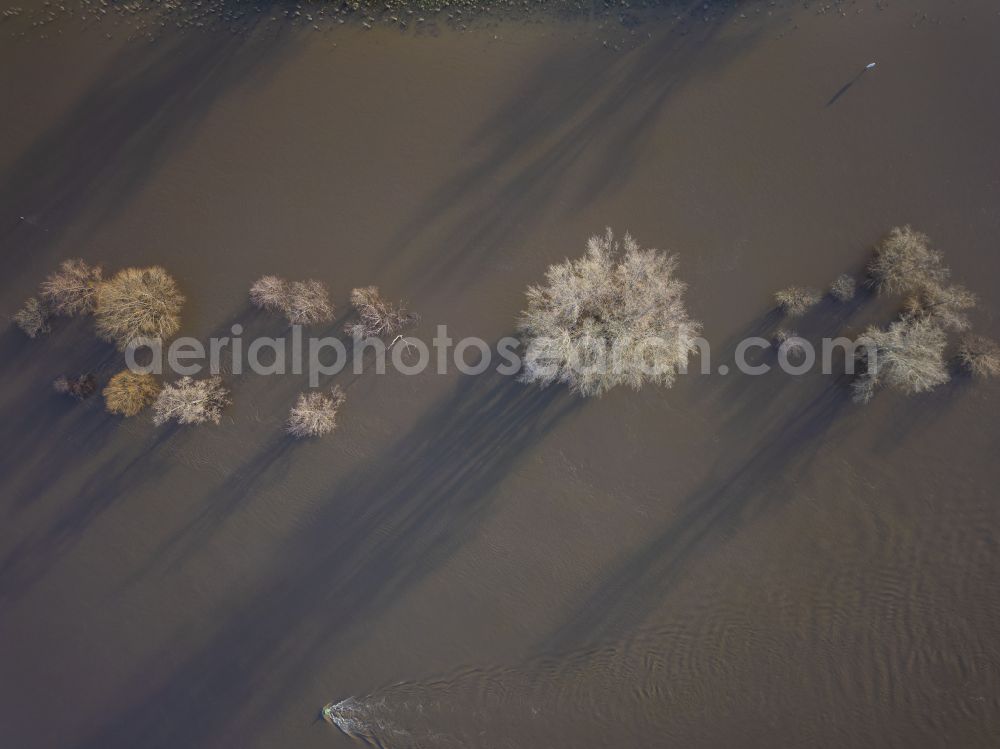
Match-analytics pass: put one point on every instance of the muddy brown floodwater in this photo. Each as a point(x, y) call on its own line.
point(468, 562)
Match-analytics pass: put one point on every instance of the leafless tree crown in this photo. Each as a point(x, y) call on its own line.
point(138, 302)
point(190, 401)
point(618, 300)
point(979, 356)
point(797, 300)
point(947, 305)
point(908, 357)
point(32, 318)
point(843, 288)
point(79, 387)
point(127, 393)
point(315, 413)
point(904, 261)
point(72, 290)
point(302, 302)
point(376, 316)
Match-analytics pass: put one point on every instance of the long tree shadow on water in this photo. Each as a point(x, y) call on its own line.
point(382, 530)
point(114, 478)
point(785, 420)
point(88, 166)
point(575, 108)
point(738, 491)
point(267, 466)
point(44, 435)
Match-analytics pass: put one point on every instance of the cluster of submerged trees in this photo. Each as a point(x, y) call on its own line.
point(909, 355)
point(618, 296)
point(139, 303)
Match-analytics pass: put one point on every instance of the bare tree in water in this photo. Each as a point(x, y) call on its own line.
point(315, 413)
point(615, 316)
point(190, 401)
point(127, 393)
point(979, 356)
point(137, 303)
point(72, 290)
point(797, 300)
point(907, 357)
point(376, 316)
point(302, 302)
point(32, 318)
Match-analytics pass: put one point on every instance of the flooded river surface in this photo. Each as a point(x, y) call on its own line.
point(469, 561)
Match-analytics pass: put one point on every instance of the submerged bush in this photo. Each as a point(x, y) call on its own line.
point(269, 293)
point(32, 318)
point(843, 288)
point(308, 303)
point(796, 300)
point(190, 401)
point(904, 262)
point(72, 290)
point(790, 341)
point(315, 413)
point(376, 316)
point(783, 335)
point(615, 316)
point(136, 303)
point(127, 393)
point(907, 357)
point(946, 305)
point(302, 302)
point(80, 387)
point(979, 356)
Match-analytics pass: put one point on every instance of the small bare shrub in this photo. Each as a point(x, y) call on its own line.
point(844, 288)
point(72, 290)
point(787, 339)
point(127, 393)
point(32, 318)
point(796, 300)
point(302, 302)
point(315, 413)
point(618, 302)
point(904, 261)
point(945, 304)
point(138, 302)
point(907, 357)
point(979, 356)
point(189, 401)
point(80, 387)
point(308, 303)
point(376, 316)
point(269, 293)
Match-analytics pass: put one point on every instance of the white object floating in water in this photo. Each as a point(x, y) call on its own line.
point(869, 66)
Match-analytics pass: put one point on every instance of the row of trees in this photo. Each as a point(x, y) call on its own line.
point(134, 303)
point(909, 355)
point(190, 401)
point(146, 303)
point(612, 301)
point(618, 296)
point(308, 302)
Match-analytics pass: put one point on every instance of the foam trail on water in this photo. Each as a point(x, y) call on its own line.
point(608, 695)
point(711, 678)
point(364, 719)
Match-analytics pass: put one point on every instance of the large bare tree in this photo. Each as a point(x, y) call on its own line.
point(615, 316)
point(137, 303)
